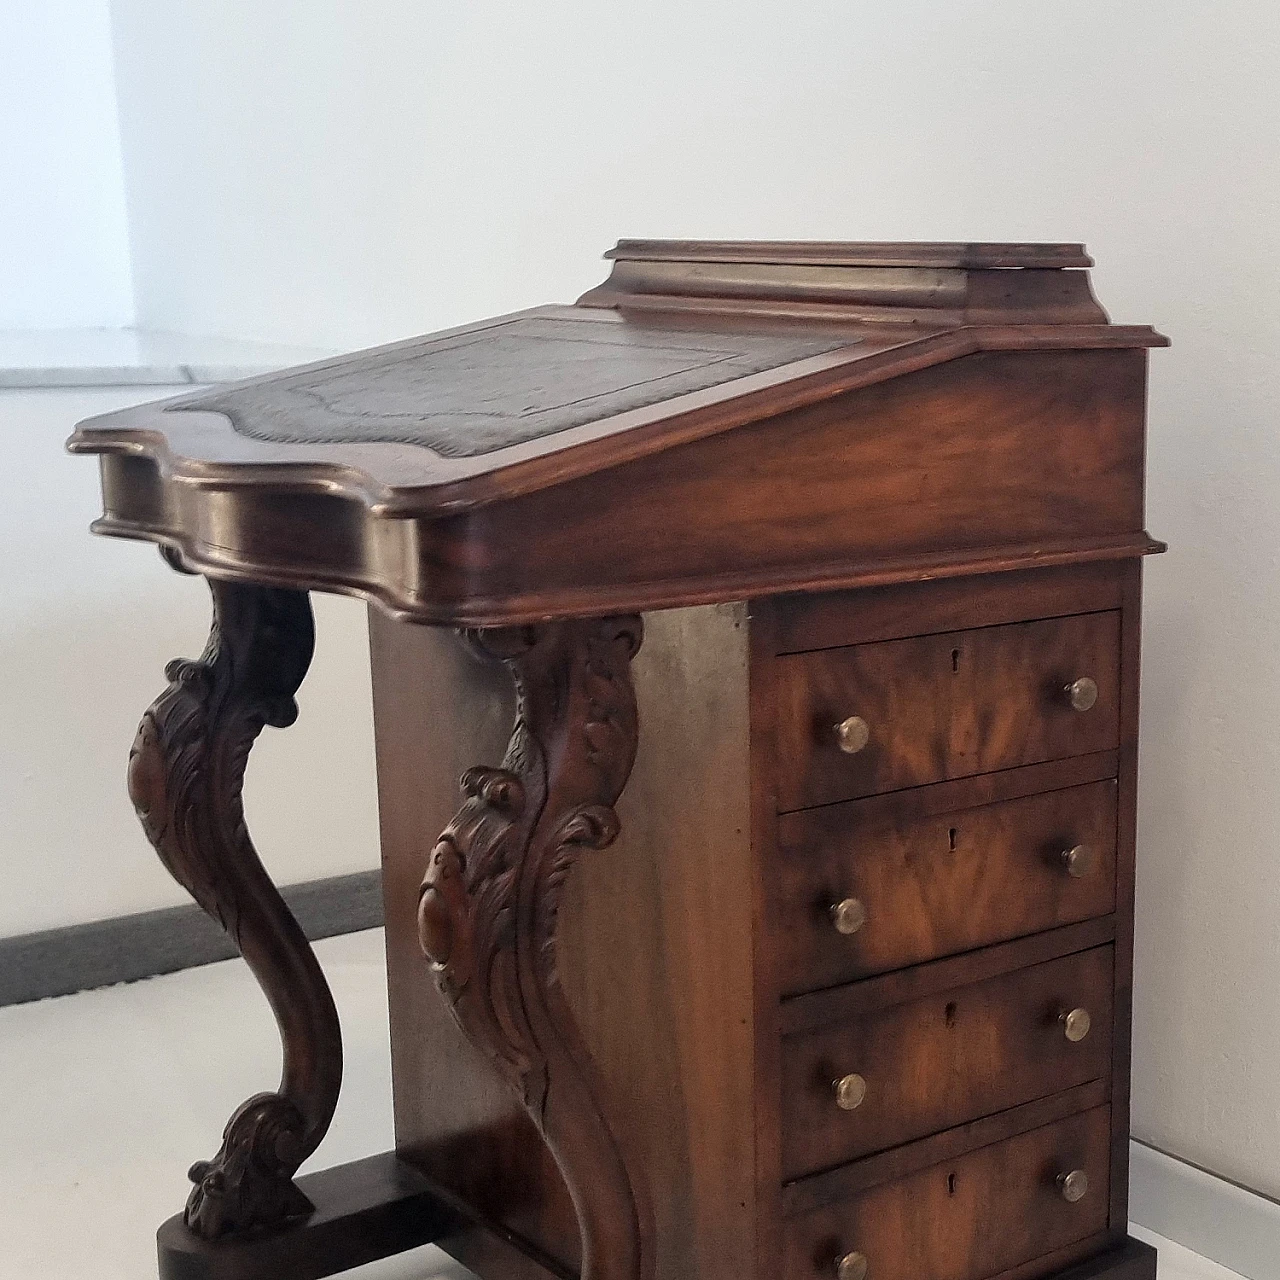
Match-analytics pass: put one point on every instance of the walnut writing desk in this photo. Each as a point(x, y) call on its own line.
point(793, 943)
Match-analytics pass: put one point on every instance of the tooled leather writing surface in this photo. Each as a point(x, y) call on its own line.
point(521, 380)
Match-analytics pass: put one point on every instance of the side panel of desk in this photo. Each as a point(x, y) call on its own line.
point(656, 948)
point(439, 710)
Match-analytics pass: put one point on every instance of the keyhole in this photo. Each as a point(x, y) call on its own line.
point(951, 1011)
point(955, 659)
point(951, 839)
point(951, 1184)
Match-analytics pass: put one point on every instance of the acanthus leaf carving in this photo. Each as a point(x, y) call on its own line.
point(186, 773)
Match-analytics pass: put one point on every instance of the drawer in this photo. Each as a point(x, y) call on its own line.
point(892, 1075)
point(973, 1217)
point(861, 892)
point(944, 706)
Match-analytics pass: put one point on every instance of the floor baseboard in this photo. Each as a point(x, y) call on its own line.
point(58, 962)
point(1208, 1214)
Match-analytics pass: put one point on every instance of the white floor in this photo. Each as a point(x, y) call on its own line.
point(109, 1095)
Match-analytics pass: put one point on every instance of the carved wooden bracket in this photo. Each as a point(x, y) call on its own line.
point(186, 771)
point(489, 903)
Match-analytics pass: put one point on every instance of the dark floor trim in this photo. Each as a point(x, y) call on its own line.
point(58, 962)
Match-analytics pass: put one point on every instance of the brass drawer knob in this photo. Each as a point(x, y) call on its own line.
point(850, 1091)
point(852, 1266)
point(1082, 693)
point(1073, 1186)
point(849, 915)
point(1079, 861)
point(852, 735)
point(1076, 1024)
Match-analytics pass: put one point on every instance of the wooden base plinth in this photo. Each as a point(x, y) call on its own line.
point(365, 1210)
point(381, 1206)
point(1132, 1260)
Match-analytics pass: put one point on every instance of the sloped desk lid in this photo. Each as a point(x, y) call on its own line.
point(684, 341)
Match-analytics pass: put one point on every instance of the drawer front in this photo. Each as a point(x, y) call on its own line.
point(984, 1213)
point(944, 706)
point(860, 896)
point(897, 1074)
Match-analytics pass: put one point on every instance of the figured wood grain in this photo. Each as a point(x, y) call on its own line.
point(936, 884)
point(944, 706)
point(971, 456)
point(966, 1219)
point(943, 1060)
point(833, 619)
point(844, 1181)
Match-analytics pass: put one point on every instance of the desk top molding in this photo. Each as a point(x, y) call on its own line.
point(929, 284)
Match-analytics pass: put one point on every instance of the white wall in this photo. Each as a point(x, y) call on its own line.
point(86, 626)
point(336, 172)
point(64, 255)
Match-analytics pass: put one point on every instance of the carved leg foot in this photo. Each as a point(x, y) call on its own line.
point(489, 903)
point(186, 771)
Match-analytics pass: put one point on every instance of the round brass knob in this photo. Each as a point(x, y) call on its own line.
point(849, 915)
point(852, 735)
point(1082, 693)
point(1078, 861)
point(850, 1091)
point(852, 1266)
point(1073, 1186)
point(1076, 1024)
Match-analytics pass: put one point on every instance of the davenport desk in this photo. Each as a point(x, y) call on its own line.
point(778, 607)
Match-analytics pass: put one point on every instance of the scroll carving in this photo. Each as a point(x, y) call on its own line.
point(186, 771)
point(491, 896)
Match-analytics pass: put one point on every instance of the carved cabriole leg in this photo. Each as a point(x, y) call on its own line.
point(489, 903)
point(185, 776)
